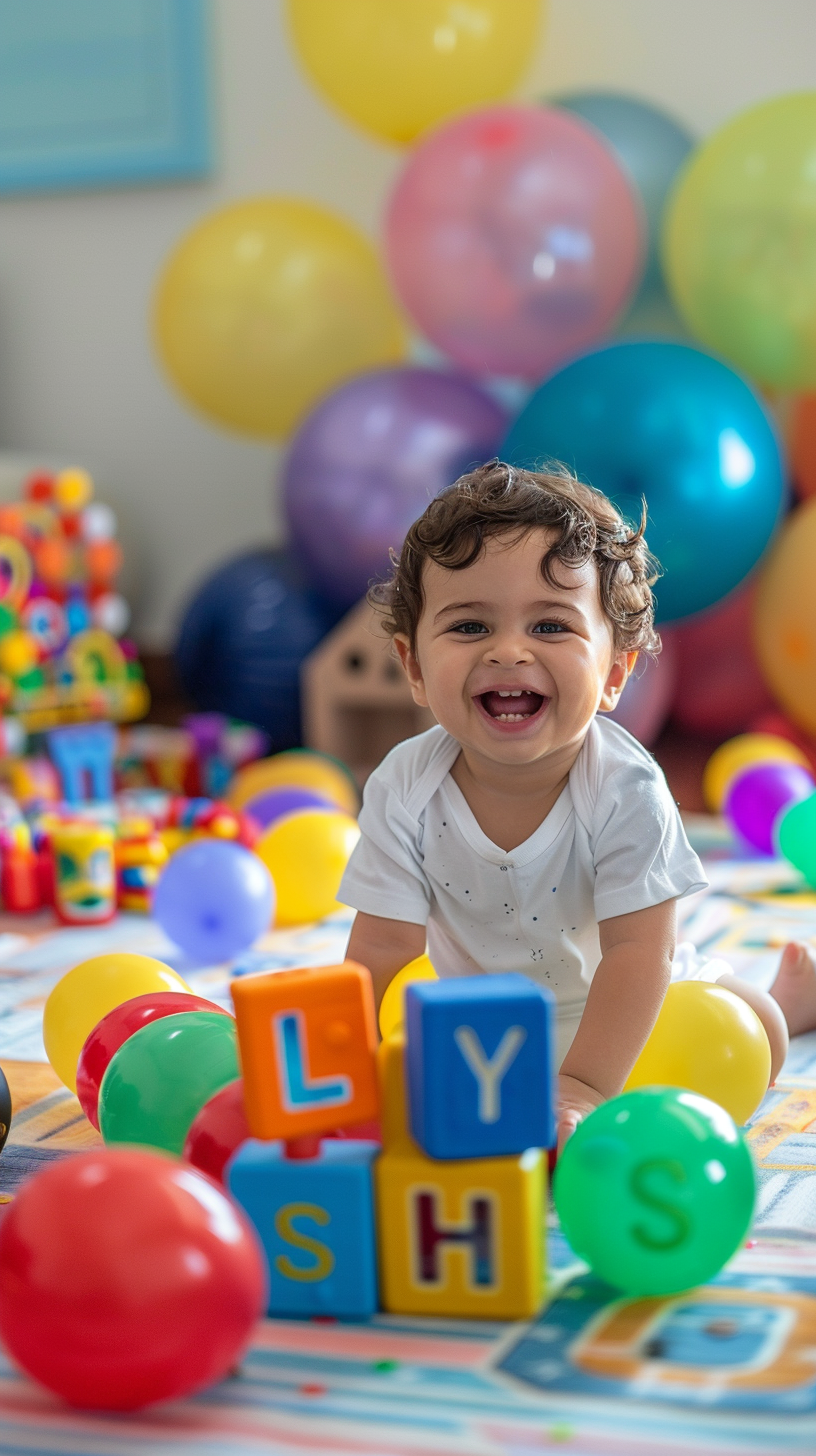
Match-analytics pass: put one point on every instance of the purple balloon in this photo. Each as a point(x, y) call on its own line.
point(273, 804)
point(758, 796)
point(214, 898)
point(369, 458)
point(648, 697)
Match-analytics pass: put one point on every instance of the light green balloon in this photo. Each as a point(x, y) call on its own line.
point(162, 1076)
point(739, 247)
point(796, 837)
point(656, 1190)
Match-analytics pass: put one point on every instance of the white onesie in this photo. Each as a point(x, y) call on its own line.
point(612, 843)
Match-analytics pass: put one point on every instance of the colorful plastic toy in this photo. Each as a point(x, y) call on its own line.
point(711, 1042)
point(656, 1190)
point(113, 1031)
point(462, 1238)
point(87, 993)
point(214, 899)
point(83, 755)
point(161, 1077)
point(151, 1286)
point(307, 1043)
point(315, 1220)
point(480, 1065)
point(85, 873)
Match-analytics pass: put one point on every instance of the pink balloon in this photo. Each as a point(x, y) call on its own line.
point(514, 239)
point(646, 701)
point(719, 686)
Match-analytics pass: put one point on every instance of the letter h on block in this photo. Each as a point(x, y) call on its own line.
point(455, 1238)
point(480, 1065)
point(307, 1040)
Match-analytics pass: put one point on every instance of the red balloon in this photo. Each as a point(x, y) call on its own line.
point(719, 685)
point(126, 1278)
point(109, 1034)
point(217, 1130)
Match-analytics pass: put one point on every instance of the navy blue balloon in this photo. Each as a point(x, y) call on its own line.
point(214, 899)
point(243, 638)
point(666, 422)
point(650, 144)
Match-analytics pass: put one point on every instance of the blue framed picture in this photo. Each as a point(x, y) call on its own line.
point(97, 93)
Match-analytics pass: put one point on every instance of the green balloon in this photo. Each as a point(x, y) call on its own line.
point(796, 837)
point(656, 1190)
point(162, 1076)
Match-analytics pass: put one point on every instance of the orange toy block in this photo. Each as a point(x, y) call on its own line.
point(307, 1040)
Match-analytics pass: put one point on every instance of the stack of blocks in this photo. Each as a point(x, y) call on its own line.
point(448, 1217)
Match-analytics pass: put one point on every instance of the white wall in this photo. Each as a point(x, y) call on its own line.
point(78, 380)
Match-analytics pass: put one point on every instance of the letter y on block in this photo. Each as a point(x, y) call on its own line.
point(489, 1071)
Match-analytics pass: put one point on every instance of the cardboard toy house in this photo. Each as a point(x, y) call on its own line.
point(356, 701)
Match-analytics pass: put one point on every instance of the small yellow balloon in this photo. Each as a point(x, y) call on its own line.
point(785, 617)
point(709, 1041)
point(73, 489)
point(740, 242)
point(399, 67)
point(87, 993)
point(392, 1006)
point(296, 768)
point(19, 652)
point(743, 752)
point(306, 854)
point(265, 306)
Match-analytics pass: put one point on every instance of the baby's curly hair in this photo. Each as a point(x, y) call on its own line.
point(499, 499)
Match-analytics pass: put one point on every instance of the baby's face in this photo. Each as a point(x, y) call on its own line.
point(513, 668)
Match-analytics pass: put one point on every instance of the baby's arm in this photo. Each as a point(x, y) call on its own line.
point(384, 946)
point(626, 994)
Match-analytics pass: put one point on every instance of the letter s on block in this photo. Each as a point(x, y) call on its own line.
point(322, 1253)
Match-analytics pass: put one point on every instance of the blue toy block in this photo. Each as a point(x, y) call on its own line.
point(83, 757)
point(315, 1220)
point(480, 1065)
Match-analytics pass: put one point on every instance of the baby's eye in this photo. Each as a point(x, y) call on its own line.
point(550, 628)
point(469, 629)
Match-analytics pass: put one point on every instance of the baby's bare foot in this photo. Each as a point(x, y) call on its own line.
point(795, 988)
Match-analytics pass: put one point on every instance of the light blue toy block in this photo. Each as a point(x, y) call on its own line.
point(480, 1065)
point(83, 757)
point(315, 1219)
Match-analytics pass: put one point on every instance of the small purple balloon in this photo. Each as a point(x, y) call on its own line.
point(759, 795)
point(214, 899)
point(366, 462)
point(273, 804)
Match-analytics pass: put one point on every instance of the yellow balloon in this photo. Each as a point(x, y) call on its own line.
point(738, 753)
point(19, 652)
point(708, 1041)
point(740, 242)
point(296, 768)
point(785, 617)
point(87, 993)
point(392, 1006)
point(268, 304)
point(306, 854)
point(397, 67)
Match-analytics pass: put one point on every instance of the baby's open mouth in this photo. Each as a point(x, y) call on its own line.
point(511, 707)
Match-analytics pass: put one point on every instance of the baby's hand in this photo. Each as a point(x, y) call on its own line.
point(575, 1102)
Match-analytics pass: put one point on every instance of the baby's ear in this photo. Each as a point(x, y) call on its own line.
point(410, 662)
point(616, 679)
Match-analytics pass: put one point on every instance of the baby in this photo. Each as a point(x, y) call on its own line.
point(525, 833)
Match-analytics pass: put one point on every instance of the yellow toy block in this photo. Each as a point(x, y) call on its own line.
point(461, 1238)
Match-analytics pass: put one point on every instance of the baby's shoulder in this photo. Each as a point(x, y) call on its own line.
point(414, 769)
point(612, 767)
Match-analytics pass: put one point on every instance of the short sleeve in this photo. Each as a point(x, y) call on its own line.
point(384, 875)
point(640, 851)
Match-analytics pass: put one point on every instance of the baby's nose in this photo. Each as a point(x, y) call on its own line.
point(508, 649)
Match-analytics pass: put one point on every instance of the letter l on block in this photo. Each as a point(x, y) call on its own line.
point(297, 1089)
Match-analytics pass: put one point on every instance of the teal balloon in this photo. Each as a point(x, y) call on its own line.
point(652, 148)
point(666, 422)
point(796, 837)
point(162, 1076)
point(656, 1190)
